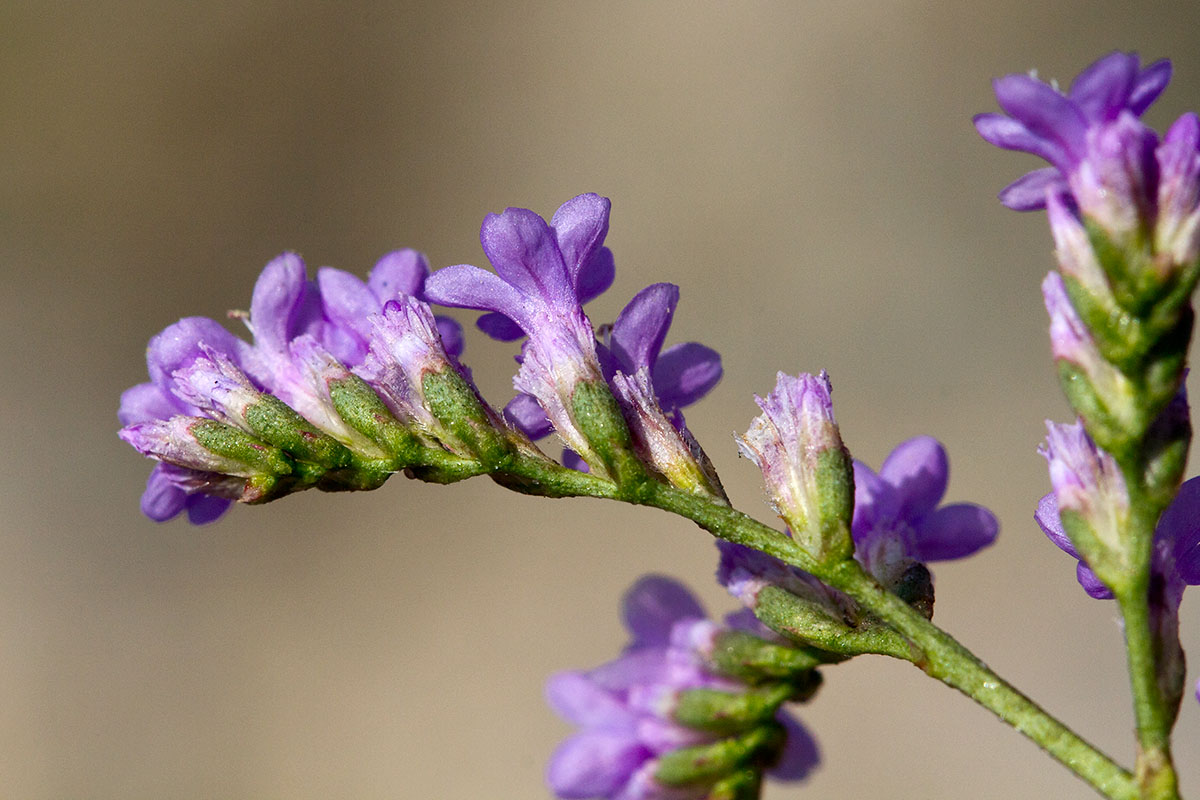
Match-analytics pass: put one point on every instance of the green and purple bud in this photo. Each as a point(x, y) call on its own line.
point(669, 450)
point(1092, 498)
point(808, 472)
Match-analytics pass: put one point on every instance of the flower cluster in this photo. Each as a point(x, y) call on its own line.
point(233, 420)
point(657, 722)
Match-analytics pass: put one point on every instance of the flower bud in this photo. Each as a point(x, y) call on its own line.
point(808, 472)
point(669, 450)
point(1093, 501)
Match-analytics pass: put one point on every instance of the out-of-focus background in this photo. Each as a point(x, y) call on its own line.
point(806, 171)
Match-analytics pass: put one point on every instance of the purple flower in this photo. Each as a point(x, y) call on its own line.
point(539, 269)
point(1108, 167)
point(897, 516)
point(1089, 135)
point(679, 375)
point(348, 304)
point(623, 707)
point(171, 489)
point(199, 369)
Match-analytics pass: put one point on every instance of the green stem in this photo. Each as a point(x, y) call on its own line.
point(944, 658)
point(1155, 772)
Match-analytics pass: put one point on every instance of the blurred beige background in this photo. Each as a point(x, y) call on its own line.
point(806, 171)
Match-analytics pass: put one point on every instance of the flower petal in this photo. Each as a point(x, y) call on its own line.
point(162, 499)
point(596, 276)
point(1045, 112)
point(653, 605)
point(179, 344)
point(1047, 518)
point(1149, 86)
point(347, 302)
point(1010, 134)
point(464, 286)
point(499, 327)
point(1029, 192)
point(523, 250)
point(580, 225)
point(800, 754)
point(638, 333)
point(451, 333)
point(203, 508)
point(399, 272)
point(1181, 522)
point(146, 402)
point(1091, 584)
point(578, 700)
point(524, 412)
point(1102, 90)
point(954, 531)
point(278, 307)
point(684, 373)
point(918, 470)
point(593, 764)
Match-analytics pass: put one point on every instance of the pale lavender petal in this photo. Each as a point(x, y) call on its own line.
point(1149, 86)
point(145, 402)
point(1029, 192)
point(1047, 518)
point(203, 508)
point(800, 754)
point(919, 471)
point(954, 531)
point(661, 736)
point(653, 605)
point(499, 327)
point(464, 286)
point(595, 278)
point(593, 764)
point(398, 272)
point(524, 412)
point(644, 665)
point(523, 250)
point(1103, 89)
point(162, 499)
point(179, 344)
point(347, 301)
point(578, 700)
point(278, 303)
point(684, 373)
point(638, 333)
point(580, 225)
point(451, 334)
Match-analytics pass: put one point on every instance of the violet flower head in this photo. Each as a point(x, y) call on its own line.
point(624, 711)
point(897, 518)
point(172, 489)
point(538, 272)
point(1090, 135)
